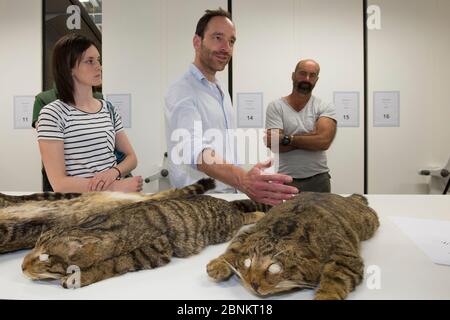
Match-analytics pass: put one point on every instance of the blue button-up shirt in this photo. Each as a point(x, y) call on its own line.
point(198, 115)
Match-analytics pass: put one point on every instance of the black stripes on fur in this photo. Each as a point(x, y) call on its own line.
point(204, 185)
point(6, 200)
point(250, 206)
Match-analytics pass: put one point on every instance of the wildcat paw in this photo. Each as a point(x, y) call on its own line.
point(219, 270)
point(72, 281)
point(66, 283)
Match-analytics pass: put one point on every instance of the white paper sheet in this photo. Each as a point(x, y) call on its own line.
point(23, 111)
point(347, 108)
point(431, 236)
point(250, 109)
point(386, 109)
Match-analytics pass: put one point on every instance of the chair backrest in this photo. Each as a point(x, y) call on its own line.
point(45, 97)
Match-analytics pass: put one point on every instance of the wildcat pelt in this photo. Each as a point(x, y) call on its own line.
point(24, 218)
point(137, 236)
point(309, 242)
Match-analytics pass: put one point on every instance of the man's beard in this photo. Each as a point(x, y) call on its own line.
point(207, 57)
point(304, 87)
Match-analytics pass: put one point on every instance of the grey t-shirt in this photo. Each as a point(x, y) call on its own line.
point(299, 163)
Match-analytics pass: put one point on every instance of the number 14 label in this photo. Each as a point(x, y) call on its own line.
point(250, 110)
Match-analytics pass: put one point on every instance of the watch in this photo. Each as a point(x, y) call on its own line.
point(286, 140)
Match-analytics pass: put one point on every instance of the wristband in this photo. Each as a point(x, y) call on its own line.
point(120, 173)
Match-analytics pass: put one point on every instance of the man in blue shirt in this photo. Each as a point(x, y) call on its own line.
point(200, 120)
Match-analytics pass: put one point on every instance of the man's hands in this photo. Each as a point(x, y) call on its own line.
point(266, 188)
point(257, 185)
point(272, 140)
point(273, 135)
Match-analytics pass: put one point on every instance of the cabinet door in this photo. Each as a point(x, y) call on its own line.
point(272, 36)
point(409, 54)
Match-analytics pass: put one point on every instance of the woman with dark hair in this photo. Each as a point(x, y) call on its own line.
point(77, 133)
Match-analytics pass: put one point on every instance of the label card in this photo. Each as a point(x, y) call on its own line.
point(386, 109)
point(250, 110)
point(347, 108)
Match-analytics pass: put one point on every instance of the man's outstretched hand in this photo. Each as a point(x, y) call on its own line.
point(267, 188)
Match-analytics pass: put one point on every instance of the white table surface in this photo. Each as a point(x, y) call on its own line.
point(406, 271)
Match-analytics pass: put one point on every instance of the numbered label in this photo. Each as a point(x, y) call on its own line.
point(386, 108)
point(23, 112)
point(347, 108)
point(250, 110)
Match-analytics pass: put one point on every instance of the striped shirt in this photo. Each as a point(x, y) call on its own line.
point(89, 138)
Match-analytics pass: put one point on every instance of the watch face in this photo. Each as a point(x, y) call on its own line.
point(286, 140)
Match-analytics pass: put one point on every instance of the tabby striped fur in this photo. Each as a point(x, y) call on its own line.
point(137, 236)
point(311, 241)
point(24, 218)
point(8, 200)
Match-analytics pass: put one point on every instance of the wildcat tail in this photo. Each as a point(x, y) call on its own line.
point(7, 200)
point(250, 206)
point(200, 187)
point(251, 211)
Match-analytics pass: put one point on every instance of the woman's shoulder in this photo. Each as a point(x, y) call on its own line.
point(58, 106)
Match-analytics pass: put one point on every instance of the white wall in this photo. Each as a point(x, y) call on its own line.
point(410, 54)
point(132, 54)
point(20, 74)
point(274, 37)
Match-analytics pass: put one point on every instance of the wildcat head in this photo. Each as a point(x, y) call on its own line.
point(49, 258)
point(273, 269)
point(41, 263)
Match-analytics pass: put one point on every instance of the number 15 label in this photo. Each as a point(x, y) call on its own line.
point(347, 108)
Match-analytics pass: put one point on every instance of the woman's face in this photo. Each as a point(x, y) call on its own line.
point(88, 71)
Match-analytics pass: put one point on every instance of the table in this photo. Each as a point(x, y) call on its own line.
point(405, 271)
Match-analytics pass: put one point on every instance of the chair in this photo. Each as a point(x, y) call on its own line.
point(438, 176)
point(161, 174)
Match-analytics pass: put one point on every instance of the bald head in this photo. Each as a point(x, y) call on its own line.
point(308, 64)
point(305, 76)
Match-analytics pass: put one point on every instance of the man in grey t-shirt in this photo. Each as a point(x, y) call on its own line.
point(304, 128)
